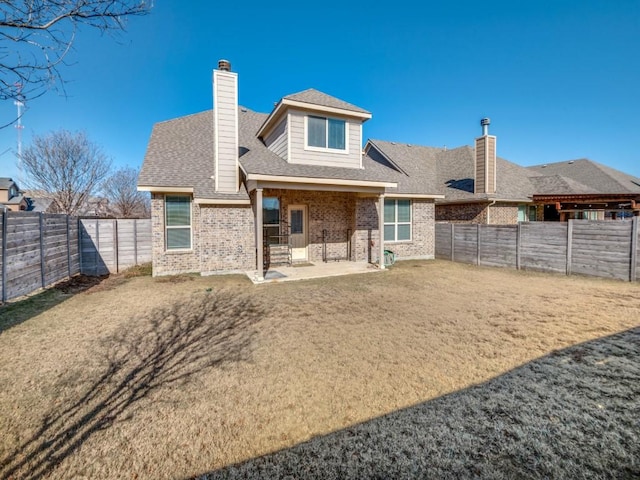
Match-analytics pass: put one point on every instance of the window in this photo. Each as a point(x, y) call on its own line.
point(397, 220)
point(327, 133)
point(527, 213)
point(178, 222)
point(271, 220)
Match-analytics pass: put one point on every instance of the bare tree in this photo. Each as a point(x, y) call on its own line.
point(37, 35)
point(67, 166)
point(124, 198)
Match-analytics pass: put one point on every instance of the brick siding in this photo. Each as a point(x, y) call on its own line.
point(222, 240)
point(223, 236)
point(422, 233)
point(498, 214)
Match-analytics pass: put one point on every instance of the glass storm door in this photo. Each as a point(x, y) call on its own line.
point(299, 235)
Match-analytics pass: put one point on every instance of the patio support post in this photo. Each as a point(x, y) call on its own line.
point(381, 232)
point(259, 239)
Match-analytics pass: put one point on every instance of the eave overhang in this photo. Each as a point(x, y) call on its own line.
point(285, 103)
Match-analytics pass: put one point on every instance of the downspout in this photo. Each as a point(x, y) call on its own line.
point(493, 202)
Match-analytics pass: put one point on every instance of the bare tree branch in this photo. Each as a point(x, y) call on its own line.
point(125, 200)
point(67, 167)
point(36, 37)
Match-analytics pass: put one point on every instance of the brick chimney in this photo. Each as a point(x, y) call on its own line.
point(485, 181)
point(225, 119)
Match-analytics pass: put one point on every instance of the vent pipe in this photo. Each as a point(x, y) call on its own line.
point(224, 65)
point(485, 126)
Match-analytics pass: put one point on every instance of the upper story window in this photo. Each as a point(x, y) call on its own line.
point(326, 133)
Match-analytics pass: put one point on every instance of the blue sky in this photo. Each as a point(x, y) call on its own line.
point(560, 79)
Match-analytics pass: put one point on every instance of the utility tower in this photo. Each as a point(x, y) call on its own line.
point(19, 103)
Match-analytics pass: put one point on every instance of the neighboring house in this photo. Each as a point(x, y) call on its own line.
point(12, 197)
point(480, 187)
point(231, 188)
point(584, 189)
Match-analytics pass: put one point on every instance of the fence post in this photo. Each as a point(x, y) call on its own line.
point(116, 252)
point(569, 245)
point(97, 253)
point(135, 241)
point(478, 229)
point(4, 256)
point(518, 244)
point(80, 262)
point(42, 260)
point(68, 248)
point(634, 249)
point(453, 242)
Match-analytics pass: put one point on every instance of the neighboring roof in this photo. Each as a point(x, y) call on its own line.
point(591, 177)
point(316, 97)
point(416, 165)
point(5, 183)
point(558, 185)
point(451, 172)
point(40, 204)
point(16, 200)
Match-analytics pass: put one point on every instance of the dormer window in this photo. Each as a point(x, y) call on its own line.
point(324, 133)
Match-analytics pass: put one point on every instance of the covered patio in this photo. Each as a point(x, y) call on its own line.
point(306, 271)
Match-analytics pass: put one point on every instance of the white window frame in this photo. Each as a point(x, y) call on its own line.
point(396, 222)
point(167, 227)
point(326, 149)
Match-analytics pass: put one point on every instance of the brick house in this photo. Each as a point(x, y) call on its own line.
point(236, 190)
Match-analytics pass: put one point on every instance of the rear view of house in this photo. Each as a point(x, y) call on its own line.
point(236, 190)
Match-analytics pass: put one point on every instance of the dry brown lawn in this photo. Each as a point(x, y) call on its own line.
point(174, 377)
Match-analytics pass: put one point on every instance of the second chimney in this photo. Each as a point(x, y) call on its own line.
point(485, 178)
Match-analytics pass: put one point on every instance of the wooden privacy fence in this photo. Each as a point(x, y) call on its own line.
point(598, 248)
point(38, 250)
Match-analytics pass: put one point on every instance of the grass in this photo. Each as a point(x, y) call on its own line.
point(430, 369)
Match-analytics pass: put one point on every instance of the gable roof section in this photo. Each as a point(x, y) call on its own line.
point(313, 100)
point(316, 97)
point(257, 159)
point(6, 183)
point(592, 176)
point(414, 165)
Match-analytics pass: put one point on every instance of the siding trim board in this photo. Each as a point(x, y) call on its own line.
point(225, 119)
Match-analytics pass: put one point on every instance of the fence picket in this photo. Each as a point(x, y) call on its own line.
point(35, 247)
point(597, 248)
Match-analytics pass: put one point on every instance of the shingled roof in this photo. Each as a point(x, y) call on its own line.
point(315, 97)
point(588, 177)
point(451, 172)
point(180, 154)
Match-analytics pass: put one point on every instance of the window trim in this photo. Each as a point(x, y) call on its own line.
point(167, 227)
point(310, 148)
point(396, 223)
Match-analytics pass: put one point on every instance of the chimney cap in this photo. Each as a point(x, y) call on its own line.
point(485, 121)
point(224, 65)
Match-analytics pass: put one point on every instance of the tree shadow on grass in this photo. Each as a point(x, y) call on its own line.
point(169, 346)
point(571, 414)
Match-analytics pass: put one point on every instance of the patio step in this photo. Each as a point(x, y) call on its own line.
point(278, 255)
